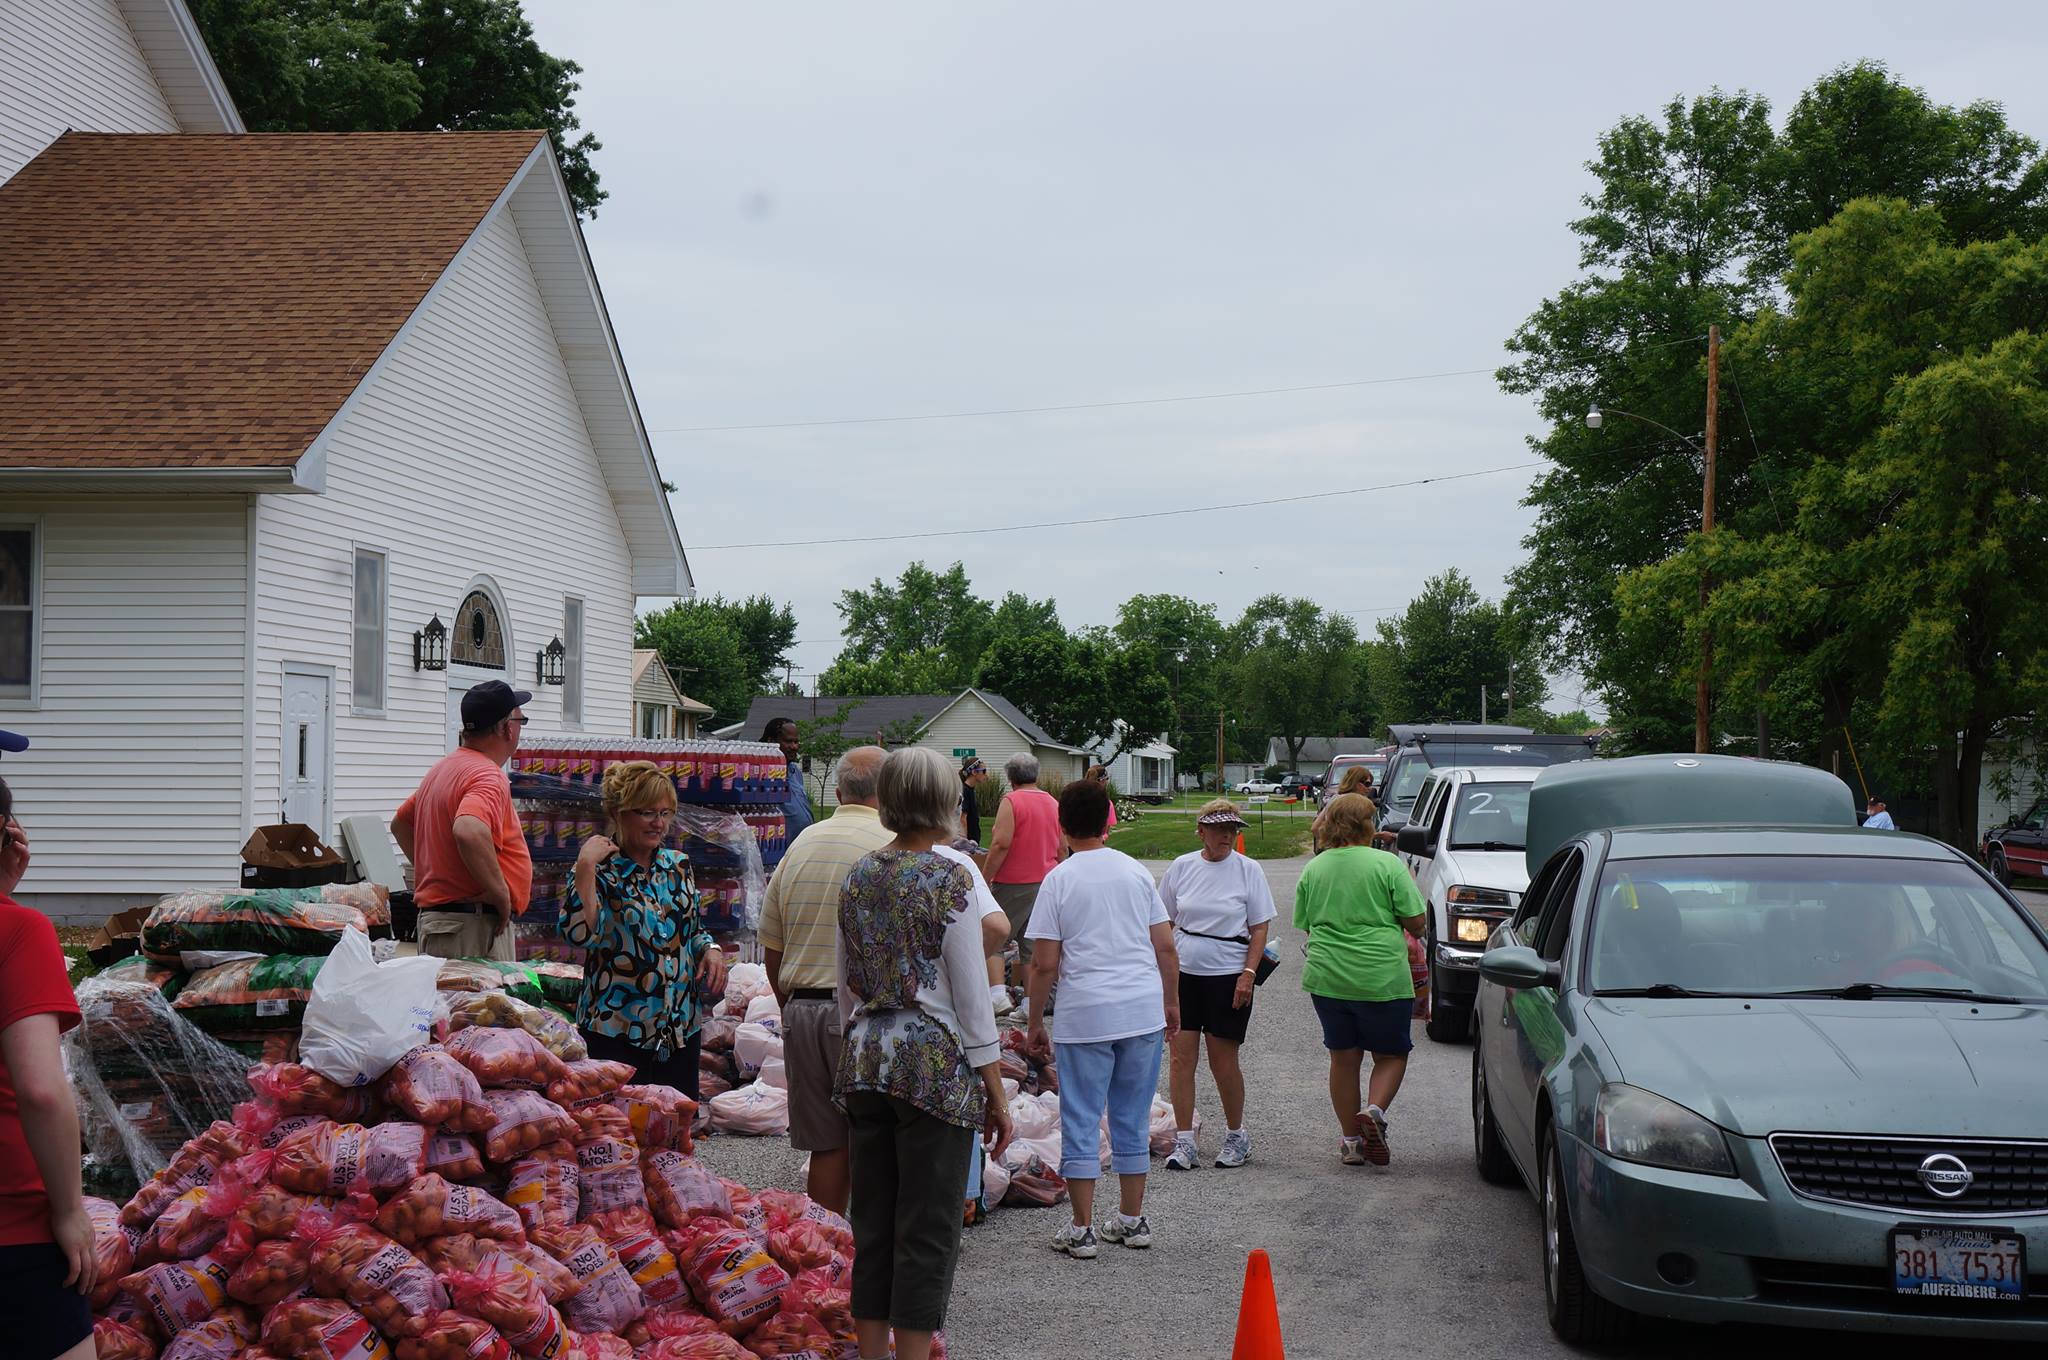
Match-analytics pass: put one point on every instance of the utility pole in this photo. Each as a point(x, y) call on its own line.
point(1219, 751)
point(1482, 703)
point(1511, 687)
point(1701, 737)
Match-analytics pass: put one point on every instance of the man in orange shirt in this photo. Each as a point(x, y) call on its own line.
point(471, 869)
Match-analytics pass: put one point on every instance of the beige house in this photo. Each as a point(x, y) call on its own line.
point(972, 722)
point(659, 708)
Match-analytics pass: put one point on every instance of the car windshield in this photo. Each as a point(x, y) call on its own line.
point(1763, 925)
point(1491, 817)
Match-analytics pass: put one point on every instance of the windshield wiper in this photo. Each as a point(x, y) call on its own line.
point(1660, 989)
point(1487, 845)
point(1871, 991)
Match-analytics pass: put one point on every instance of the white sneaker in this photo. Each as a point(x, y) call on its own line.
point(1372, 1130)
point(1237, 1148)
point(1137, 1234)
point(1185, 1155)
point(1078, 1243)
point(1352, 1150)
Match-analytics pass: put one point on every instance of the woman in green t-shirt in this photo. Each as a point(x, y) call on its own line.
point(1356, 902)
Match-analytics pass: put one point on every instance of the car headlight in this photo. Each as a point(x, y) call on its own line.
point(1641, 1126)
point(1472, 929)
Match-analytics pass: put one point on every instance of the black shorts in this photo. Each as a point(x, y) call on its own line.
point(44, 1319)
point(1205, 1007)
point(1373, 1026)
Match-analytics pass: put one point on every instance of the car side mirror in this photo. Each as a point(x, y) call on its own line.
point(1519, 967)
point(1414, 840)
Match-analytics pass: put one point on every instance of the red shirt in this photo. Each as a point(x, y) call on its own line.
point(34, 980)
point(1034, 837)
point(464, 784)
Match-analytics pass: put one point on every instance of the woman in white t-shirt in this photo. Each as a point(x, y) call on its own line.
point(1222, 909)
point(1099, 929)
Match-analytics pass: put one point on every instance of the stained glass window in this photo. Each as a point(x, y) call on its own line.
point(478, 639)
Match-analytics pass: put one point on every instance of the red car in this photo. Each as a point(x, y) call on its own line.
point(2019, 849)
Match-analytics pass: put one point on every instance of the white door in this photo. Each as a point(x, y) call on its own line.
point(308, 747)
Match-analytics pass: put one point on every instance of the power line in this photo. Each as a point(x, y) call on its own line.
point(1118, 519)
point(1108, 405)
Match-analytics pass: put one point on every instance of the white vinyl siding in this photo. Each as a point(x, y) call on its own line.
point(370, 656)
point(70, 64)
point(132, 783)
point(572, 662)
point(467, 458)
point(21, 588)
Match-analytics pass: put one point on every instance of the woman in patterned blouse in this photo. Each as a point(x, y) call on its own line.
point(919, 1073)
point(633, 908)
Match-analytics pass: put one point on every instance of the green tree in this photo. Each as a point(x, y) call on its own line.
point(766, 631)
point(1445, 646)
point(921, 672)
point(1902, 583)
point(1693, 215)
point(1091, 688)
point(926, 626)
point(1293, 669)
point(1187, 639)
point(704, 651)
point(398, 66)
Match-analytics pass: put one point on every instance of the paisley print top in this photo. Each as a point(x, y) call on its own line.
point(912, 973)
point(640, 964)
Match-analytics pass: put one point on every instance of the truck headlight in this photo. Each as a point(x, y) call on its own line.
point(1641, 1126)
point(1462, 896)
point(1471, 929)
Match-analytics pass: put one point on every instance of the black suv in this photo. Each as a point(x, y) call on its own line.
point(1424, 747)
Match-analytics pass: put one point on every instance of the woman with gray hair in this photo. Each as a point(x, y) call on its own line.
point(1022, 850)
point(919, 1074)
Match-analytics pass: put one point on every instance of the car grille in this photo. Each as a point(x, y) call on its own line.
point(1884, 1173)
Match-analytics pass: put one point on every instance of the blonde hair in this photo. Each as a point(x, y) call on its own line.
point(1348, 819)
point(635, 784)
point(1217, 805)
point(1355, 778)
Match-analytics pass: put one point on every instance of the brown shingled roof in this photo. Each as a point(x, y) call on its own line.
point(210, 301)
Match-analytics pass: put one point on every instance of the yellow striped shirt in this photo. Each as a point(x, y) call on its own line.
point(800, 916)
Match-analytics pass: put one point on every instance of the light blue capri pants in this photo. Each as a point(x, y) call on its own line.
point(1122, 1076)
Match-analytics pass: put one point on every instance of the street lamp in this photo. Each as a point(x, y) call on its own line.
point(430, 646)
point(1595, 418)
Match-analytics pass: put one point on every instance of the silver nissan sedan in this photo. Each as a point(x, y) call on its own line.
point(1759, 1065)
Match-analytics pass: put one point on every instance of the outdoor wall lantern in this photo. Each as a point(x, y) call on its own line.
point(548, 663)
point(430, 646)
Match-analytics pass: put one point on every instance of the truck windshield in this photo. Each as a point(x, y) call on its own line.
point(1491, 817)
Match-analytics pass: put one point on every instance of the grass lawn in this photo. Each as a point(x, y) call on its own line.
point(1168, 837)
point(1191, 800)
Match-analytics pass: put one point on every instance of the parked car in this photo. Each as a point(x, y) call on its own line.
point(1425, 747)
point(1465, 848)
point(1293, 784)
point(2019, 849)
point(1758, 1065)
point(1259, 786)
point(1326, 786)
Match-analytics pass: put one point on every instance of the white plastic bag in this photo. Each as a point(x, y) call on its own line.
point(363, 1016)
point(995, 1181)
point(744, 982)
point(762, 1111)
point(762, 1010)
point(1035, 1116)
point(753, 1044)
point(772, 1074)
point(1164, 1130)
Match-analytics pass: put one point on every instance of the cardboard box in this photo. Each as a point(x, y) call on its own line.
point(120, 937)
point(290, 855)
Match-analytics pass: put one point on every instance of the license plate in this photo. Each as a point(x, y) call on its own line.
point(1932, 1262)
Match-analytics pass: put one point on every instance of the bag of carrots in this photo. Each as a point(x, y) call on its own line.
point(607, 1299)
point(590, 1079)
point(522, 1121)
point(449, 1335)
point(505, 1058)
point(431, 1207)
point(608, 1170)
point(293, 1088)
point(431, 1086)
point(384, 1281)
point(322, 1329)
point(512, 1300)
point(679, 1189)
point(335, 1159)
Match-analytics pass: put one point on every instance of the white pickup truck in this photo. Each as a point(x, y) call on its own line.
point(1465, 847)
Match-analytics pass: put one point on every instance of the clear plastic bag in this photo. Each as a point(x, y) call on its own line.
point(147, 1080)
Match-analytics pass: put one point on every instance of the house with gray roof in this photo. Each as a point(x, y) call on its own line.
point(972, 722)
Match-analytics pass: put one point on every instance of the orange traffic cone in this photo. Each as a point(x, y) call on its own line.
point(1240, 842)
point(1258, 1316)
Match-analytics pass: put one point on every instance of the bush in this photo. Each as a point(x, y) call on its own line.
point(989, 796)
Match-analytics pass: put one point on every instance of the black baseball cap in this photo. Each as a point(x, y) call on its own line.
point(12, 741)
point(490, 703)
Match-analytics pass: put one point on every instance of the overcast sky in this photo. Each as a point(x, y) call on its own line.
point(827, 211)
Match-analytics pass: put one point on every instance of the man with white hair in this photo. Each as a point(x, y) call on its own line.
point(1022, 850)
point(799, 928)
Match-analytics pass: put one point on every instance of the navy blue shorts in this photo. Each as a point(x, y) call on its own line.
point(43, 1318)
point(1375, 1026)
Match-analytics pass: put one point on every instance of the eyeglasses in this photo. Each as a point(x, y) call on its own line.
point(654, 814)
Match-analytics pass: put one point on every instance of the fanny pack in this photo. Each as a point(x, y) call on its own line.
point(1269, 959)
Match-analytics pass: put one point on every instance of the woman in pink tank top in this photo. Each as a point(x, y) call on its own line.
point(1022, 850)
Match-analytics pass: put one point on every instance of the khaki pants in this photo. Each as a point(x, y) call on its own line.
point(464, 935)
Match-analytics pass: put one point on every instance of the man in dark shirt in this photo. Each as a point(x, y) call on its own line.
point(972, 775)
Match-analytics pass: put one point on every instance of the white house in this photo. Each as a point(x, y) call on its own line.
point(659, 708)
point(1145, 770)
point(268, 406)
point(972, 722)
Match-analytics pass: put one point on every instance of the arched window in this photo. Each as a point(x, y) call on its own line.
point(478, 637)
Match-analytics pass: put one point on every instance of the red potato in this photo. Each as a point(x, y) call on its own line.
point(679, 1188)
point(791, 1334)
point(608, 1173)
point(636, 1238)
point(662, 1116)
point(113, 1246)
point(601, 1119)
point(322, 1329)
point(711, 1345)
point(503, 1058)
point(511, 1299)
point(272, 1272)
point(461, 1252)
point(608, 1298)
point(601, 1346)
point(335, 1159)
point(120, 1341)
point(431, 1207)
point(178, 1294)
point(590, 1079)
point(221, 1337)
point(293, 1088)
point(197, 1163)
point(522, 1121)
point(384, 1281)
point(431, 1086)
point(735, 1280)
point(545, 1191)
point(449, 1335)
